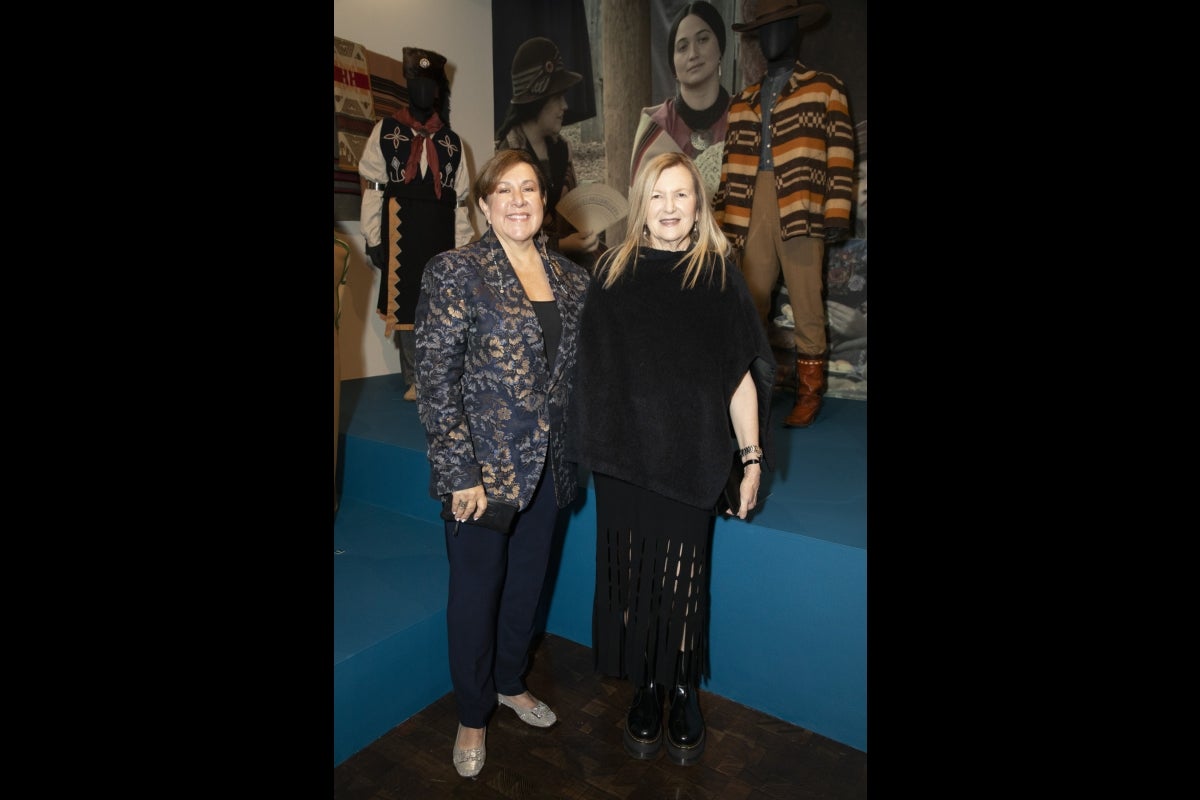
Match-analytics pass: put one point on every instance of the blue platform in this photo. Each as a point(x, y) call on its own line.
point(788, 629)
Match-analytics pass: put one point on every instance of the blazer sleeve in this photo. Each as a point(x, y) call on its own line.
point(441, 328)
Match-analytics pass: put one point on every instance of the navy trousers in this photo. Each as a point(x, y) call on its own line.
point(496, 583)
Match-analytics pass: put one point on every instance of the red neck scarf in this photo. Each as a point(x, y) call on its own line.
point(424, 130)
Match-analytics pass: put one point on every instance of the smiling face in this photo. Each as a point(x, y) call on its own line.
point(514, 208)
point(697, 53)
point(671, 210)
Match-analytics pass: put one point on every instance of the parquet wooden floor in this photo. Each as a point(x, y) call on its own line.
point(749, 755)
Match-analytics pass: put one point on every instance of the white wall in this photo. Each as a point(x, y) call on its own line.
point(461, 30)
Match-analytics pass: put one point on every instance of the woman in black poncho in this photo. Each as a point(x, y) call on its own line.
point(675, 374)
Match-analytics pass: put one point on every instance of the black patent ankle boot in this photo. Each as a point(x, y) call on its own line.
point(685, 725)
point(643, 723)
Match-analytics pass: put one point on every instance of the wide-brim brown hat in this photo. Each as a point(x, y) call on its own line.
point(538, 72)
point(806, 13)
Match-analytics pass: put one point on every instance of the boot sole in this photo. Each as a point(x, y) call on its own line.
point(788, 422)
point(685, 756)
point(639, 748)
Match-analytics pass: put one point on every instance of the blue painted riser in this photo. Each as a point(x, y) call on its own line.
point(789, 619)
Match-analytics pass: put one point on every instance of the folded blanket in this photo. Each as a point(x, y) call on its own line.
point(353, 105)
point(389, 89)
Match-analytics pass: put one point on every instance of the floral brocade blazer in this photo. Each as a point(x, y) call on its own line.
point(492, 407)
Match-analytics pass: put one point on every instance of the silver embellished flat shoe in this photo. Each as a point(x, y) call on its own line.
point(540, 716)
point(469, 762)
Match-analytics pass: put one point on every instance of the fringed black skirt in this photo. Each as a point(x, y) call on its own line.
point(652, 581)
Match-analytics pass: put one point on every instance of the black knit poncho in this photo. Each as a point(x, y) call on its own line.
point(657, 366)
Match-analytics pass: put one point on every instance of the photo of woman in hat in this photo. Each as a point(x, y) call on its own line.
point(533, 123)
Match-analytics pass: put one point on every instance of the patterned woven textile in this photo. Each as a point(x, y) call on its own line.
point(352, 102)
point(389, 89)
point(353, 117)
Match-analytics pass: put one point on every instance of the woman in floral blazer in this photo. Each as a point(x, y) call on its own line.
point(497, 329)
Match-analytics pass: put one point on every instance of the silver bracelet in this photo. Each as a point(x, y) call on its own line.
point(748, 449)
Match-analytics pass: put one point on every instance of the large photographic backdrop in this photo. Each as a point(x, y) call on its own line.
point(838, 44)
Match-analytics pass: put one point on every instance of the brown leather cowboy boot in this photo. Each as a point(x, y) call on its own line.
point(810, 383)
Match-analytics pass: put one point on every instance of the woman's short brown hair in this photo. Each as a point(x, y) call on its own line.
point(504, 160)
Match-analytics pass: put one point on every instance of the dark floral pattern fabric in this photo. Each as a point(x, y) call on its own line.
point(492, 407)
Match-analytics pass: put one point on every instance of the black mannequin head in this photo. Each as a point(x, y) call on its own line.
point(778, 40)
point(426, 84)
point(422, 97)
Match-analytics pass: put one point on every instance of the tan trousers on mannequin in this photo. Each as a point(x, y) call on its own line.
point(799, 258)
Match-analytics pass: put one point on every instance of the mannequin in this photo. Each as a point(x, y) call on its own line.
point(414, 205)
point(788, 188)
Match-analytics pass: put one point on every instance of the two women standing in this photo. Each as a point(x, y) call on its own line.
point(653, 384)
point(526, 368)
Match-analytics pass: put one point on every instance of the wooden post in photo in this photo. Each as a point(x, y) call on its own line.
point(625, 33)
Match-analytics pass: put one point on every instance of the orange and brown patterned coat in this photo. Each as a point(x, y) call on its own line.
point(812, 143)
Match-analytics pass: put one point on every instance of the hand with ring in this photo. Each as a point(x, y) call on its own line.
point(469, 503)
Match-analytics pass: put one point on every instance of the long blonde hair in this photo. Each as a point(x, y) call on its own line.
point(709, 244)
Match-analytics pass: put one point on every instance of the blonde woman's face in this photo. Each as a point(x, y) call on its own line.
point(697, 53)
point(671, 210)
point(514, 208)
